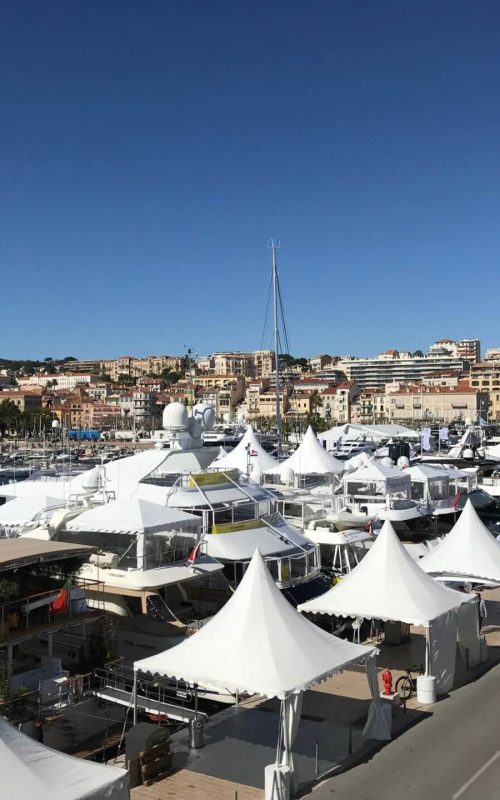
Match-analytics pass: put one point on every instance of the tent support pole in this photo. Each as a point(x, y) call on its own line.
point(134, 691)
point(428, 651)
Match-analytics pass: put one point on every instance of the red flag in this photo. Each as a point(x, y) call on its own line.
point(457, 499)
point(193, 555)
point(253, 453)
point(61, 603)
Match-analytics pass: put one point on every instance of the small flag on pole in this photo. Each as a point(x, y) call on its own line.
point(193, 555)
point(61, 603)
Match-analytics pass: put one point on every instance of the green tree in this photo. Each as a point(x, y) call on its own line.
point(10, 416)
point(169, 376)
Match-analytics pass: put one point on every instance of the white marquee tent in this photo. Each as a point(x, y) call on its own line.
point(468, 551)
point(248, 456)
point(133, 515)
point(389, 585)
point(268, 649)
point(31, 771)
point(310, 458)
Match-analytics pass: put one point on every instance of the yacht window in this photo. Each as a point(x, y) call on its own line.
point(417, 491)
point(156, 609)
point(439, 489)
point(134, 605)
point(124, 544)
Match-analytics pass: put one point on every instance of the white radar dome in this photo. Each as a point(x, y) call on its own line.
point(387, 462)
point(90, 480)
point(55, 424)
point(287, 476)
point(468, 453)
point(403, 462)
point(175, 417)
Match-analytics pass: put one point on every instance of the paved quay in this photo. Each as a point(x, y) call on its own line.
point(453, 753)
point(436, 751)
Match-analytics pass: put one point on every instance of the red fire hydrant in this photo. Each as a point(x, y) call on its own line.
point(387, 681)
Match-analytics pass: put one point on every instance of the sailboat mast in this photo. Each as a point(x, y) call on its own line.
point(276, 344)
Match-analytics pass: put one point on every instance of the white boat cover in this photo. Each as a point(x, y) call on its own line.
point(123, 475)
point(274, 536)
point(425, 472)
point(468, 550)
point(375, 472)
point(374, 433)
point(132, 515)
point(57, 487)
point(389, 585)
point(22, 510)
point(310, 458)
point(31, 771)
point(247, 455)
point(257, 643)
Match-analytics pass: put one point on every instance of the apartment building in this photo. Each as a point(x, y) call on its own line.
point(267, 404)
point(300, 403)
point(334, 404)
point(253, 391)
point(397, 366)
point(224, 399)
point(485, 377)
point(317, 363)
point(95, 414)
point(257, 364)
point(222, 382)
point(466, 349)
point(25, 401)
point(426, 403)
point(370, 406)
point(60, 380)
point(493, 354)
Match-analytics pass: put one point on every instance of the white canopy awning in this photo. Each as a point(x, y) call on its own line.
point(248, 456)
point(22, 510)
point(257, 643)
point(468, 550)
point(31, 771)
point(425, 472)
point(132, 515)
point(310, 458)
point(377, 473)
point(378, 433)
point(389, 585)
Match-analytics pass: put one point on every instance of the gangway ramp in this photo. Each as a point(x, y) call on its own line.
point(147, 704)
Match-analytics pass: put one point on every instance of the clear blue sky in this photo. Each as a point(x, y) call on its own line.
point(148, 150)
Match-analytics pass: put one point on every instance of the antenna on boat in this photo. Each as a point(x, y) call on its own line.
point(274, 245)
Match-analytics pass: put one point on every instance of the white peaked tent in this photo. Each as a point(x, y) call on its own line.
point(32, 771)
point(310, 458)
point(259, 644)
point(469, 550)
point(133, 515)
point(248, 456)
point(389, 585)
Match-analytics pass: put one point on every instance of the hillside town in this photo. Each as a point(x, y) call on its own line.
point(451, 382)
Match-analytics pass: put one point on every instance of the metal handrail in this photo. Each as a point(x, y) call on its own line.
point(123, 679)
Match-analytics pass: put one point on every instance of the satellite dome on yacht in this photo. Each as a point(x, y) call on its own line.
point(175, 417)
